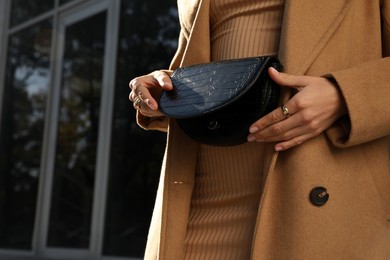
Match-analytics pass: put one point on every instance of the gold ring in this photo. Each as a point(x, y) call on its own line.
point(285, 111)
point(137, 102)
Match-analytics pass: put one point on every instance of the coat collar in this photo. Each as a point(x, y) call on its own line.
point(196, 52)
point(307, 27)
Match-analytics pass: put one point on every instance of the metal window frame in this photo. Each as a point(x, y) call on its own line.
point(64, 16)
point(4, 24)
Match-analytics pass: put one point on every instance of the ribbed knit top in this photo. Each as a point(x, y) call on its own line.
point(228, 179)
point(245, 28)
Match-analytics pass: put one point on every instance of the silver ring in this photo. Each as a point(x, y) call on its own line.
point(137, 102)
point(285, 111)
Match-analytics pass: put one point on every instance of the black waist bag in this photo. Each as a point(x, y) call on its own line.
point(215, 103)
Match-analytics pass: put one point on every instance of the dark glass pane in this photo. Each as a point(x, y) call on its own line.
point(22, 10)
point(75, 158)
point(23, 113)
point(65, 1)
point(147, 42)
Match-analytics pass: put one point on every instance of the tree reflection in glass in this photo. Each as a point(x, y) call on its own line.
point(23, 10)
point(74, 172)
point(23, 114)
point(148, 39)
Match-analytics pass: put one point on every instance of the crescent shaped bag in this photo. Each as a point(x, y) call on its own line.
point(215, 103)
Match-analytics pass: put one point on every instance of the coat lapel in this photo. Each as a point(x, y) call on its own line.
point(198, 48)
point(307, 27)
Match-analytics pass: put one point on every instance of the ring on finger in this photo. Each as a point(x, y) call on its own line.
point(137, 102)
point(285, 111)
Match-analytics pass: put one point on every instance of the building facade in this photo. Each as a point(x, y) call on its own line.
point(78, 177)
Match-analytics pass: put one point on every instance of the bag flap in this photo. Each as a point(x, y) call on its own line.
point(204, 88)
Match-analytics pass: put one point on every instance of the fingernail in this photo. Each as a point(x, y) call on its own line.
point(167, 84)
point(251, 138)
point(147, 101)
point(278, 148)
point(274, 69)
point(253, 129)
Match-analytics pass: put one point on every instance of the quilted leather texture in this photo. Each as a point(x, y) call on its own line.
point(204, 88)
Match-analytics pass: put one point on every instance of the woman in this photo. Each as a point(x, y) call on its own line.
point(313, 180)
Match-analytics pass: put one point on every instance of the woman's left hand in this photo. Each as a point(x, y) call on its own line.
point(317, 104)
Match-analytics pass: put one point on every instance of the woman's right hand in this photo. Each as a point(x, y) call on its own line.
point(146, 91)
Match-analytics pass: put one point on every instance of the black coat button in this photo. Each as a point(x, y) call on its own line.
point(319, 196)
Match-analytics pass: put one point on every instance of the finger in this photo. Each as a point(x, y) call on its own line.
point(143, 87)
point(136, 84)
point(141, 91)
point(131, 97)
point(147, 98)
point(293, 142)
point(137, 103)
point(288, 80)
point(271, 118)
point(163, 80)
point(144, 109)
point(271, 136)
point(156, 78)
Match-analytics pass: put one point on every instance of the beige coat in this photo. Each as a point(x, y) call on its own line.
point(344, 39)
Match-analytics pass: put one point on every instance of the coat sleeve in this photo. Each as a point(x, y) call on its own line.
point(366, 90)
point(161, 123)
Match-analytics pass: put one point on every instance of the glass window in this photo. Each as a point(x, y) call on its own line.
point(75, 159)
point(23, 113)
point(65, 1)
point(146, 43)
point(148, 37)
point(22, 10)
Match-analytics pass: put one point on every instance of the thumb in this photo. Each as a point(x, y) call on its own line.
point(287, 80)
point(163, 79)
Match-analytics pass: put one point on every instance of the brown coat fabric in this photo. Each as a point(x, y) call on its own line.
point(348, 40)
